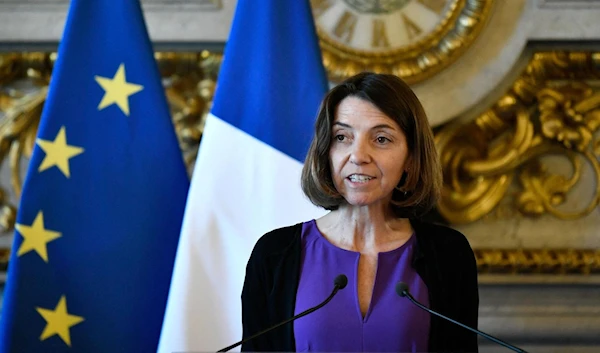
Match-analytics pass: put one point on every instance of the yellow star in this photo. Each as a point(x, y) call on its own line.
point(58, 152)
point(58, 321)
point(36, 237)
point(117, 90)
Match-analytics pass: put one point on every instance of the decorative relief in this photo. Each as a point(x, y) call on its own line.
point(190, 82)
point(552, 109)
point(555, 261)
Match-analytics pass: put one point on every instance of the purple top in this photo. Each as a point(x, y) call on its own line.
point(391, 323)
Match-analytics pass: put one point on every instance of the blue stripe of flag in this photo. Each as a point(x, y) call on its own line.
point(260, 89)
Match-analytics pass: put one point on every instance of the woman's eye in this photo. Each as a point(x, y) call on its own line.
point(340, 137)
point(382, 139)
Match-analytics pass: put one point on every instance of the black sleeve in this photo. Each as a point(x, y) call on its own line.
point(254, 302)
point(469, 310)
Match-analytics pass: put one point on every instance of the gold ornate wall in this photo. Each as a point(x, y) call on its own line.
point(553, 108)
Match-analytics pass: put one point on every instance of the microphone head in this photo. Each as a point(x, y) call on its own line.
point(402, 289)
point(340, 281)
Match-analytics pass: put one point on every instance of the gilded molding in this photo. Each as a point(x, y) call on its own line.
point(551, 109)
point(538, 261)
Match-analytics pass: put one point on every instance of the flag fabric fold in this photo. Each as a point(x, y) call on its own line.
point(103, 199)
point(246, 179)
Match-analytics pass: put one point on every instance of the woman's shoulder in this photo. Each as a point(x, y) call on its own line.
point(447, 245)
point(277, 240)
point(440, 235)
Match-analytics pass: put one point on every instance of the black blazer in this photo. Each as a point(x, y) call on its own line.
point(443, 258)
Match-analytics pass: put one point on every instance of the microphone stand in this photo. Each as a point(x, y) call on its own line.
point(490, 337)
point(337, 287)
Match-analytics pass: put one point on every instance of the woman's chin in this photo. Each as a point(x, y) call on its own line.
point(361, 202)
point(365, 200)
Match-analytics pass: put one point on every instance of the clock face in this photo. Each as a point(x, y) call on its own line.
point(413, 39)
point(380, 25)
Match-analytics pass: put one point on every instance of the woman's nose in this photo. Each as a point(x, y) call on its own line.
point(360, 153)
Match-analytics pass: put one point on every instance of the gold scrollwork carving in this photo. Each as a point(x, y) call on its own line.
point(551, 109)
point(189, 80)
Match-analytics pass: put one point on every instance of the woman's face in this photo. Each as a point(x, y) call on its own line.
point(368, 152)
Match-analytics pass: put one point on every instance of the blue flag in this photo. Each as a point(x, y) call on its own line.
point(274, 73)
point(247, 176)
point(103, 199)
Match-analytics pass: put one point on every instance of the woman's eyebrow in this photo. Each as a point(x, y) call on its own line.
point(376, 127)
point(337, 123)
point(383, 126)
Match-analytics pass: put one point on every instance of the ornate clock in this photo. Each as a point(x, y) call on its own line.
point(413, 39)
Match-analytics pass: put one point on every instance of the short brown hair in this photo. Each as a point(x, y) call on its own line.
point(420, 187)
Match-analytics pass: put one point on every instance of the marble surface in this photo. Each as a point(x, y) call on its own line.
point(540, 313)
point(193, 21)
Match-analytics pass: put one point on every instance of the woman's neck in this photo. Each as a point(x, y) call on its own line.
point(365, 229)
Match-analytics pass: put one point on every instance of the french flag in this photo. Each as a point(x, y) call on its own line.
point(246, 180)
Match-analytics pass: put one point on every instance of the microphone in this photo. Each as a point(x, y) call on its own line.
point(402, 290)
point(339, 282)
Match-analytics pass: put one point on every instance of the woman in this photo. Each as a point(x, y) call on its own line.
point(373, 165)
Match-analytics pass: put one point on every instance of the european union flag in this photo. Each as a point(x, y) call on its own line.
point(103, 199)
